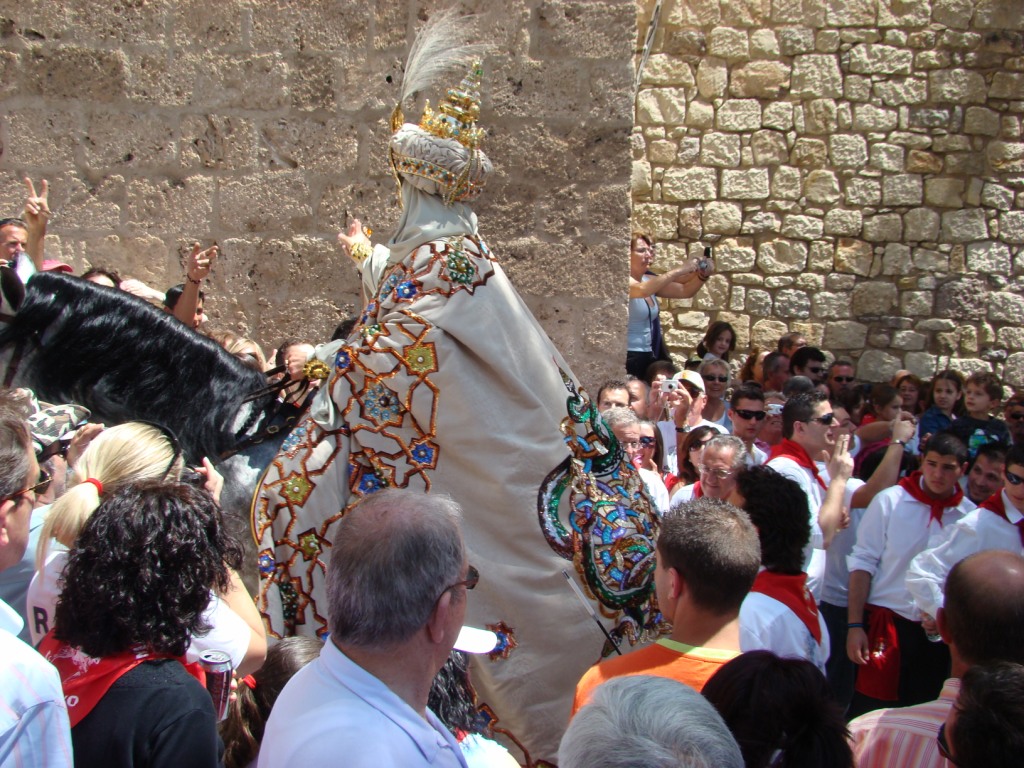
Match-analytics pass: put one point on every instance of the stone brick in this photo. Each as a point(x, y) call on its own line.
point(758, 303)
point(792, 303)
point(781, 257)
point(722, 218)
point(728, 43)
point(982, 121)
point(874, 298)
point(640, 178)
point(830, 306)
point(921, 224)
point(1011, 227)
point(909, 90)
point(876, 365)
point(765, 333)
point(325, 146)
point(944, 193)
point(778, 115)
point(962, 299)
point(662, 151)
point(1012, 338)
point(803, 227)
point(161, 207)
point(930, 261)
point(958, 86)
point(902, 189)
point(880, 60)
point(853, 256)
point(820, 116)
point(923, 162)
point(749, 184)
point(997, 196)
point(816, 76)
point(75, 72)
point(36, 137)
point(659, 220)
point(1006, 156)
point(795, 40)
point(786, 183)
point(1013, 370)
point(739, 115)
point(821, 187)
point(989, 258)
point(857, 88)
point(720, 149)
point(809, 153)
point(883, 228)
point(1005, 307)
point(848, 150)
point(916, 303)
point(845, 334)
point(761, 222)
point(764, 44)
point(712, 78)
point(840, 221)
point(964, 225)
point(270, 201)
point(683, 184)
point(909, 340)
point(769, 148)
point(897, 13)
point(735, 255)
point(663, 69)
point(760, 79)
point(1007, 85)
point(896, 259)
point(867, 117)
point(887, 157)
point(953, 13)
point(860, 191)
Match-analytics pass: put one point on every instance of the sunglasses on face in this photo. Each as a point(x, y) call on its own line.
point(41, 486)
point(814, 370)
point(1012, 478)
point(840, 379)
point(698, 446)
point(1015, 415)
point(746, 415)
point(471, 580)
point(719, 379)
point(647, 442)
point(825, 420)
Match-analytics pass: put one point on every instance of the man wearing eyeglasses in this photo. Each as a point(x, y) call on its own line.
point(809, 362)
point(721, 459)
point(625, 425)
point(809, 432)
point(747, 414)
point(997, 523)
point(37, 732)
point(840, 377)
point(397, 588)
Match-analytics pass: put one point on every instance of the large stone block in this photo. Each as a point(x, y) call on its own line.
point(896, 259)
point(321, 146)
point(796, 40)
point(880, 60)
point(75, 72)
point(722, 218)
point(955, 14)
point(766, 333)
point(720, 149)
point(1006, 156)
point(749, 184)
point(769, 148)
point(41, 138)
point(735, 255)
point(739, 115)
point(958, 86)
point(712, 77)
point(861, 191)
point(961, 299)
point(1005, 307)
point(964, 226)
point(989, 258)
point(792, 303)
point(661, 221)
point(982, 121)
point(270, 201)
point(786, 183)
point(809, 153)
point(161, 207)
point(841, 221)
point(781, 257)
point(1013, 370)
point(803, 227)
point(845, 334)
point(921, 224)
point(883, 228)
point(899, 91)
point(729, 43)
point(778, 115)
point(1011, 227)
point(816, 76)
point(923, 162)
point(916, 303)
point(848, 150)
point(876, 365)
point(902, 189)
point(821, 187)
point(868, 117)
point(759, 79)
point(874, 298)
point(831, 306)
point(854, 256)
point(683, 184)
point(1007, 85)
point(944, 192)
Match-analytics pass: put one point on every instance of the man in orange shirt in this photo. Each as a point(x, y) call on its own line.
point(708, 556)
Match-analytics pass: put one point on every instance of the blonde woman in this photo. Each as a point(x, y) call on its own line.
point(119, 456)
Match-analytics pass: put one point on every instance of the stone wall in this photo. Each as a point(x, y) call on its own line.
point(859, 165)
point(262, 125)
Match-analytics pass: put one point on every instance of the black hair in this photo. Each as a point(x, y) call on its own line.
point(452, 697)
point(174, 293)
point(781, 712)
point(715, 330)
point(142, 569)
point(989, 729)
point(242, 729)
point(126, 360)
point(685, 469)
point(746, 392)
point(804, 355)
point(777, 507)
point(13, 221)
point(946, 444)
point(343, 329)
point(659, 366)
point(110, 274)
point(800, 407)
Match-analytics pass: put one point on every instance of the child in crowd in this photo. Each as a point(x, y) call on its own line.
point(944, 398)
point(885, 405)
point(982, 394)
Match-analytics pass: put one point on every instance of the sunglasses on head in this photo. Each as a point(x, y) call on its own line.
point(746, 415)
point(824, 420)
point(719, 379)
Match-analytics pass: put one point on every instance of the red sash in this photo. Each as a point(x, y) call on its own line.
point(880, 677)
point(86, 680)
point(912, 485)
point(994, 503)
point(792, 592)
point(790, 450)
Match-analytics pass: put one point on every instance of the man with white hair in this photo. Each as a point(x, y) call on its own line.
point(722, 458)
point(397, 590)
point(649, 721)
point(625, 425)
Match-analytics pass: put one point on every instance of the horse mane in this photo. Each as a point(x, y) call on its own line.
point(125, 360)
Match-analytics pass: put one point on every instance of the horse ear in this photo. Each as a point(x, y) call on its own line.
point(12, 290)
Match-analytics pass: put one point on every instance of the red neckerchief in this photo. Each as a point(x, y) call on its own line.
point(912, 485)
point(791, 450)
point(698, 492)
point(792, 592)
point(86, 680)
point(880, 677)
point(994, 503)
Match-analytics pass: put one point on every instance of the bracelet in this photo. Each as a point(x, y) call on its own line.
point(194, 282)
point(682, 430)
point(900, 442)
point(855, 625)
point(702, 279)
point(360, 252)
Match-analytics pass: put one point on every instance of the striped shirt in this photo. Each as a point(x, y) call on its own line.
point(903, 737)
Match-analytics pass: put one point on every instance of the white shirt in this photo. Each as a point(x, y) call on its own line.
point(671, 440)
point(836, 585)
point(768, 624)
point(228, 631)
point(334, 711)
point(755, 457)
point(34, 728)
point(976, 531)
point(656, 488)
point(814, 553)
point(895, 528)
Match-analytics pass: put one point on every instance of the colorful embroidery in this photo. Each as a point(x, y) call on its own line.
point(297, 489)
point(266, 562)
point(309, 544)
point(506, 640)
point(407, 290)
point(420, 358)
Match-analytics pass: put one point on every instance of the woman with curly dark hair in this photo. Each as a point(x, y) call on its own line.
point(136, 586)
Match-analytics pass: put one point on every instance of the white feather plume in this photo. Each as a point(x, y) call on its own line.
point(437, 53)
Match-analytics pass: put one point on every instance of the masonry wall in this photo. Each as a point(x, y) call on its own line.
point(859, 165)
point(262, 125)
